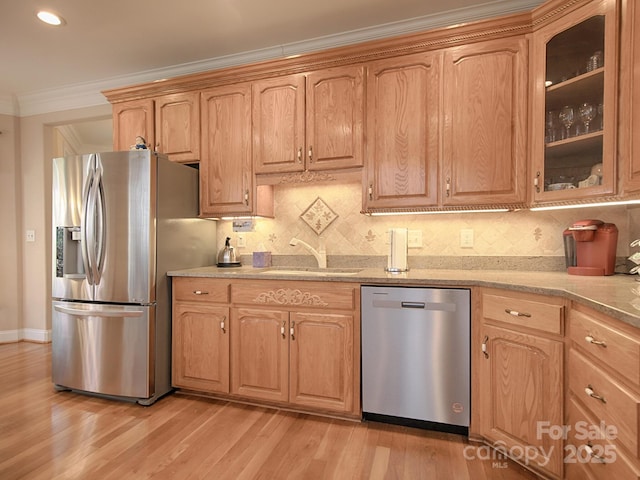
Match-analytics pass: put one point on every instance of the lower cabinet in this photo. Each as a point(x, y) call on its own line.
point(201, 347)
point(293, 344)
point(519, 389)
point(200, 337)
point(603, 398)
point(302, 358)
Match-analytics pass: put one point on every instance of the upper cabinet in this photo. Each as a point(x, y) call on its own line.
point(310, 121)
point(574, 104)
point(485, 123)
point(448, 128)
point(177, 122)
point(403, 132)
point(629, 104)
point(227, 181)
point(130, 120)
point(170, 124)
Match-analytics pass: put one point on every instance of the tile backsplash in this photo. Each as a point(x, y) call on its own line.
point(350, 233)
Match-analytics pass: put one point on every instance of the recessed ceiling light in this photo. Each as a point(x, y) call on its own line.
point(50, 18)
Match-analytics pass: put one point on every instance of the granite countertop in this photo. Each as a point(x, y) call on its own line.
point(617, 295)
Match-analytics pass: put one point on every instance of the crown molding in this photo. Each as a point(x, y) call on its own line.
point(89, 94)
point(9, 105)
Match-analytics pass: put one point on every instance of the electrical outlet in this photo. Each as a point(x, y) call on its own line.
point(414, 239)
point(466, 238)
point(30, 236)
point(242, 241)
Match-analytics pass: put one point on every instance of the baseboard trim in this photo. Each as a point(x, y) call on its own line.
point(25, 334)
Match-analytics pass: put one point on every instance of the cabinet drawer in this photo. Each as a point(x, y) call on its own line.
point(296, 294)
point(612, 347)
point(618, 407)
point(199, 289)
point(585, 437)
point(524, 310)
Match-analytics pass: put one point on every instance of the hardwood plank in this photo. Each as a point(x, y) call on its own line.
point(47, 435)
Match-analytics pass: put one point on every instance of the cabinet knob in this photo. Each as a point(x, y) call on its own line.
point(292, 331)
point(246, 197)
point(283, 329)
point(448, 186)
point(300, 155)
point(200, 292)
point(310, 154)
point(222, 324)
point(516, 313)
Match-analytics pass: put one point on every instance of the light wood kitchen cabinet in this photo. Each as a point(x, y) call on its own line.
point(403, 132)
point(130, 120)
point(485, 150)
point(603, 407)
point(297, 343)
point(200, 338)
point(311, 121)
point(177, 123)
point(227, 180)
point(574, 71)
point(444, 132)
point(629, 99)
point(170, 124)
point(520, 368)
point(260, 354)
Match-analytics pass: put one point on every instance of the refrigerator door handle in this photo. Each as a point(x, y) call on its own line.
point(91, 228)
point(100, 215)
point(112, 312)
point(86, 225)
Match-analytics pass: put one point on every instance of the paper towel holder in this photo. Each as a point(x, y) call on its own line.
point(398, 251)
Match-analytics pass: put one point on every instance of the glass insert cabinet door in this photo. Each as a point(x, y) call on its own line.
point(574, 106)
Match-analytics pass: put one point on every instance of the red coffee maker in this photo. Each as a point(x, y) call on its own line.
point(590, 248)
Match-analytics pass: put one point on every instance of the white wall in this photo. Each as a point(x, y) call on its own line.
point(10, 228)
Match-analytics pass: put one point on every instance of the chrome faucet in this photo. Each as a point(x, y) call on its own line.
point(320, 254)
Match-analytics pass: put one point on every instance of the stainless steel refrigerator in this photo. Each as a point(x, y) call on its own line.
point(120, 221)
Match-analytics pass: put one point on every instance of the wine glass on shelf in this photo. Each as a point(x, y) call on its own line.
point(550, 124)
point(587, 113)
point(567, 117)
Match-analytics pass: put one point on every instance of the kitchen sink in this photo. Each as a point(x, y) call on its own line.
point(316, 272)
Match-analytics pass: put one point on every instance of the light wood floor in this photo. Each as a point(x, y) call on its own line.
point(63, 435)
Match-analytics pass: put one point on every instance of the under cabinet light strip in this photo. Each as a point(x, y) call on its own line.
point(435, 212)
point(586, 205)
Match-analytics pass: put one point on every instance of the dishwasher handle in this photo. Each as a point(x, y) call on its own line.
point(420, 305)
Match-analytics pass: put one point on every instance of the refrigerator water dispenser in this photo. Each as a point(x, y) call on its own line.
point(69, 253)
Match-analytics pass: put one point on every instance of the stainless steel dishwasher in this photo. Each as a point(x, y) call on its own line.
point(416, 356)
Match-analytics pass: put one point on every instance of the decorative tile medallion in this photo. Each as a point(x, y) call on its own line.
point(318, 216)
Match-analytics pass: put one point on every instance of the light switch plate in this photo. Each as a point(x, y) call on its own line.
point(414, 239)
point(466, 238)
